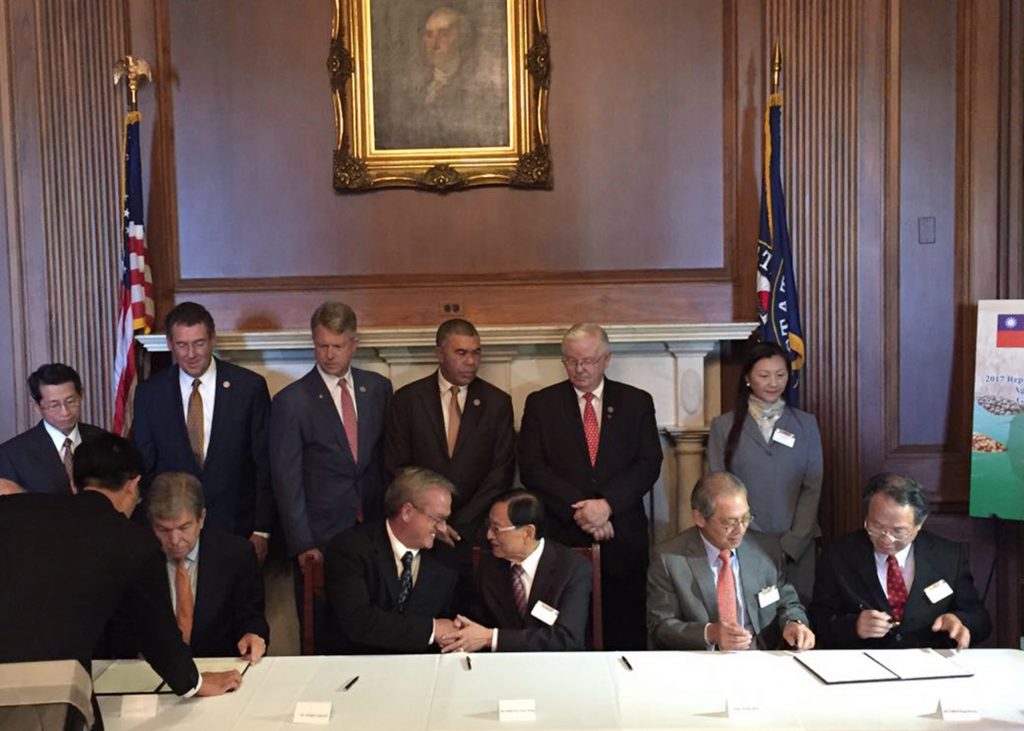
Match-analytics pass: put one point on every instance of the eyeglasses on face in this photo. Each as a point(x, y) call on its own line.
point(581, 362)
point(495, 528)
point(894, 534)
point(69, 403)
point(438, 520)
point(733, 523)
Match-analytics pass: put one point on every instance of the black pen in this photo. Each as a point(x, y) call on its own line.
point(351, 682)
point(626, 662)
point(469, 663)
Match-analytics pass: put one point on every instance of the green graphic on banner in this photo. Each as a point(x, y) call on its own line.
point(997, 441)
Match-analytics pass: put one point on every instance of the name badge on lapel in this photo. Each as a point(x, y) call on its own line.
point(767, 596)
point(783, 437)
point(545, 613)
point(938, 591)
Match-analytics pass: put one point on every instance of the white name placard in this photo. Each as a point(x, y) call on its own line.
point(306, 712)
point(959, 709)
point(521, 709)
point(139, 706)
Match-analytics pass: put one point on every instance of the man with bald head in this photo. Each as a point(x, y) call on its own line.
point(893, 584)
point(708, 588)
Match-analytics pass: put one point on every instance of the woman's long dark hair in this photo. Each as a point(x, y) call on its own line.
point(758, 352)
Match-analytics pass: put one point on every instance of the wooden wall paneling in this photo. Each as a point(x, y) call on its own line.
point(822, 69)
point(643, 150)
point(81, 117)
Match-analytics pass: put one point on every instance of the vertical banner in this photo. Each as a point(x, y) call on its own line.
point(997, 441)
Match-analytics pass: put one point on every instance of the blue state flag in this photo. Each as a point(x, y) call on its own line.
point(777, 303)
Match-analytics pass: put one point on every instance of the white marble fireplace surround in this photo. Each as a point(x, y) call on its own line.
point(677, 363)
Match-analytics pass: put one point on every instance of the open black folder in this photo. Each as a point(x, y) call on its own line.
point(868, 666)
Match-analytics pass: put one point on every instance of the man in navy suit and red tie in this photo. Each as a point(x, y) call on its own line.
point(589, 447)
point(39, 460)
point(326, 436)
point(209, 418)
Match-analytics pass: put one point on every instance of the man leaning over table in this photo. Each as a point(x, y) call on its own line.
point(69, 561)
point(892, 584)
point(708, 588)
point(533, 595)
point(214, 578)
point(386, 591)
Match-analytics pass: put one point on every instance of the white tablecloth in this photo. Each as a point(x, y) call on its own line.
point(588, 691)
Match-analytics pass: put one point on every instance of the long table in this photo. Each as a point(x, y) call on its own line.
point(588, 691)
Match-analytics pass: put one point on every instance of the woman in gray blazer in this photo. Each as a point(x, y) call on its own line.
point(776, 450)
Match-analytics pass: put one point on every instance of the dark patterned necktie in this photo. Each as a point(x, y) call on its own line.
point(519, 589)
point(405, 581)
point(895, 587)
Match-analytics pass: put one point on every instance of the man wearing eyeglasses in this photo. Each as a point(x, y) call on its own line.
point(894, 585)
point(708, 588)
point(40, 459)
point(589, 447)
point(387, 592)
point(533, 594)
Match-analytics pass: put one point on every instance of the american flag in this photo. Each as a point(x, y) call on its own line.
point(135, 308)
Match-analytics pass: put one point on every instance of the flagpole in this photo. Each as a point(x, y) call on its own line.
point(134, 70)
point(776, 66)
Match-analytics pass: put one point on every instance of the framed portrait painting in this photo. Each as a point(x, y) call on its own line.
point(440, 94)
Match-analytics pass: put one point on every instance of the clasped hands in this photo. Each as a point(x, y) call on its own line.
point(461, 635)
point(593, 516)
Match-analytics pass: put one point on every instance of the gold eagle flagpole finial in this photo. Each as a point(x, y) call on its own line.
point(134, 69)
point(776, 66)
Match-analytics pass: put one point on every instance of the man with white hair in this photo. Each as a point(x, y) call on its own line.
point(589, 447)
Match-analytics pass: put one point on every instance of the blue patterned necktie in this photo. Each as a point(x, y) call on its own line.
point(405, 581)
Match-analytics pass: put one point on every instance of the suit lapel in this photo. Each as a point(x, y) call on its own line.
point(749, 587)
point(472, 413)
point(574, 422)
point(610, 402)
point(364, 414)
point(326, 411)
point(50, 458)
point(697, 559)
point(172, 395)
point(863, 565)
point(754, 434)
point(924, 575)
point(542, 580)
point(221, 408)
point(430, 403)
point(206, 577)
point(384, 557)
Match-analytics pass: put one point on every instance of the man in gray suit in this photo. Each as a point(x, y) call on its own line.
point(692, 604)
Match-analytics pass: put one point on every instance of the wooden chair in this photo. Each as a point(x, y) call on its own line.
point(312, 589)
point(593, 554)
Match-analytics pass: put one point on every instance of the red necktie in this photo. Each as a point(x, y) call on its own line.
point(895, 587)
point(726, 590)
point(348, 418)
point(590, 427)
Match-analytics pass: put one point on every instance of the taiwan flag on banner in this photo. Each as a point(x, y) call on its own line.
point(1010, 331)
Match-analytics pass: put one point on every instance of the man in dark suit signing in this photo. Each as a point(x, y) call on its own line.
point(533, 594)
point(215, 583)
point(209, 418)
point(388, 594)
point(709, 588)
point(326, 436)
point(589, 447)
point(40, 459)
point(894, 585)
point(68, 563)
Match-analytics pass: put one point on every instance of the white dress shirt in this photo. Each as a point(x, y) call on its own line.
point(715, 561)
point(597, 401)
point(334, 385)
point(905, 559)
point(208, 394)
point(529, 565)
point(58, 438)
point(399, 549)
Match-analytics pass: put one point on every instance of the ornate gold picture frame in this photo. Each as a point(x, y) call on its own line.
point(440, 95)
